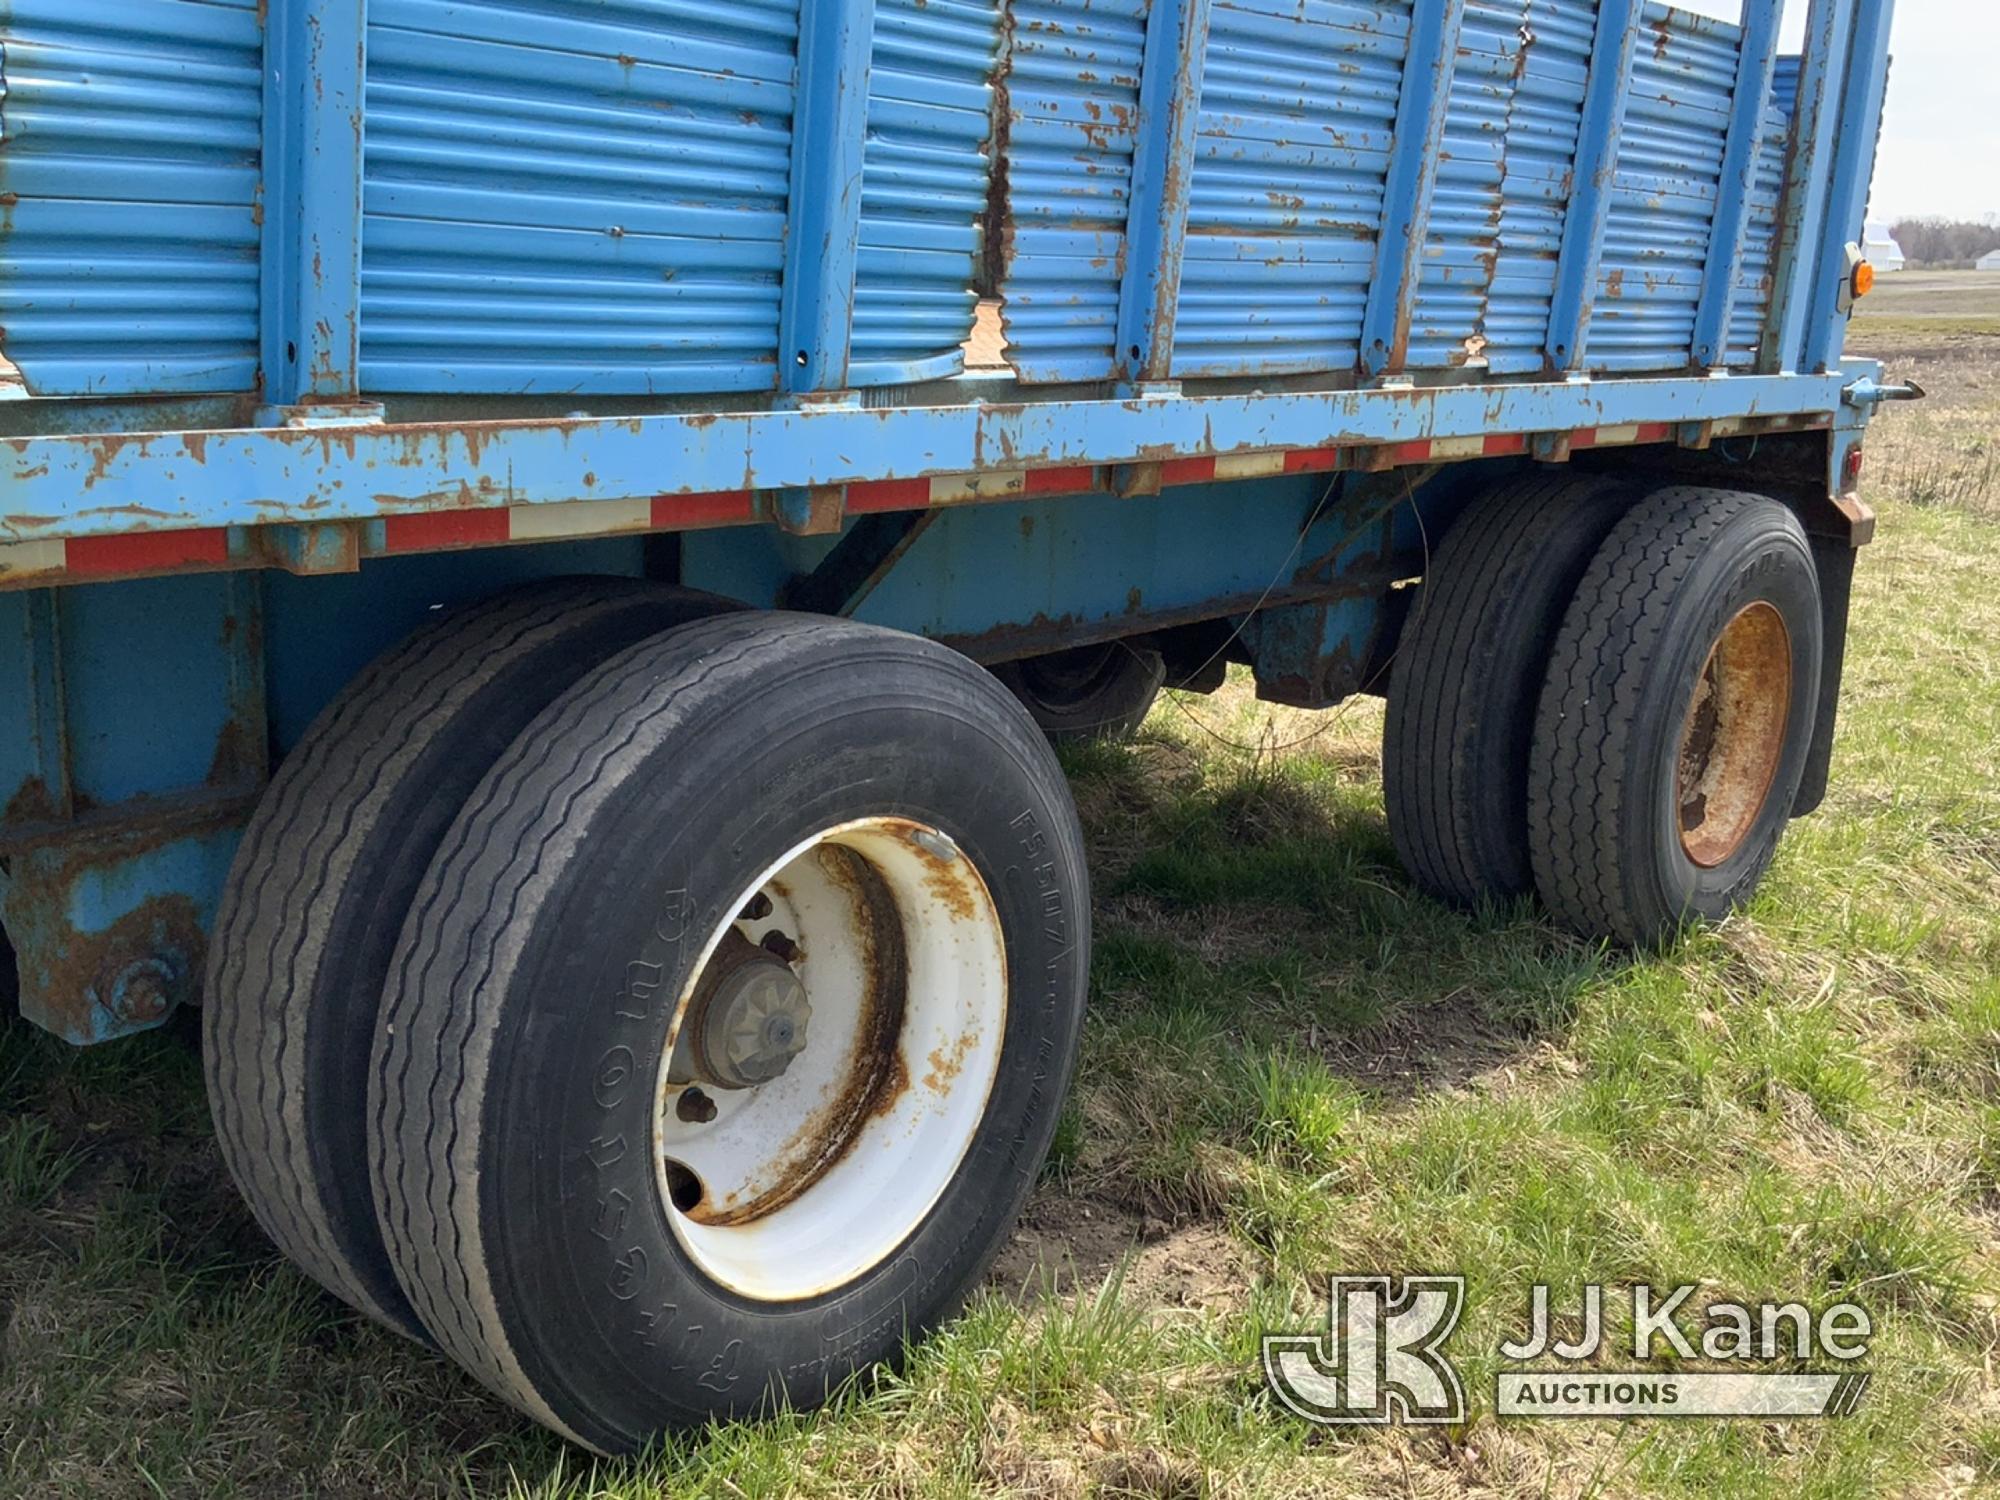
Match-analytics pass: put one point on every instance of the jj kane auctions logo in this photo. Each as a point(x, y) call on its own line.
point(1383, 1360)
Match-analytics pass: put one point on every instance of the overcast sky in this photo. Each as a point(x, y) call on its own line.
point(1941, 139)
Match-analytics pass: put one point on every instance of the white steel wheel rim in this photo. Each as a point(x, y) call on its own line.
point(809, 1180)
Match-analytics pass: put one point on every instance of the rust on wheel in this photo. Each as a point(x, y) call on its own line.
point(1734, 735)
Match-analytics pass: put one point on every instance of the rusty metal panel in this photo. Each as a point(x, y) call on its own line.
point(924, 187)
point(1757, 277)
point(1753, 280)
point(1069, 113)
point(1469, 201)
point(575, 199)
point(1298, 116)
point(1665, 193)
point(1544, 112)
point(129, 140)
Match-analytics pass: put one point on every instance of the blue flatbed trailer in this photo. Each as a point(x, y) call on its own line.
point(1105, 342)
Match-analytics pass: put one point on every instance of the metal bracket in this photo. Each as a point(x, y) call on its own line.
point(816, 510)
point(1872, 393)
point(311, 549)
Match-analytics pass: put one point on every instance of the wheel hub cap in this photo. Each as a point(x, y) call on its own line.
point(748, 1020)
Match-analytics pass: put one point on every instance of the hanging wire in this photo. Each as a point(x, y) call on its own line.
point(1334, 717)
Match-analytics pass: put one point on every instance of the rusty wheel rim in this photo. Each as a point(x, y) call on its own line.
point(1733, 736)
point(796, 1185)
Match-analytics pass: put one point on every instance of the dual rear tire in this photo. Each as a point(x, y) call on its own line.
point(720, 1034)
point(1607, 699)
point(1086, 693)
point(665, 1010)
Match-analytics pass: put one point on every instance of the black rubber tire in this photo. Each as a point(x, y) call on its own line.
point(325, 875)
point(1101, 692)
point(1468, 677)
point(1603, 797)
point(673, 774)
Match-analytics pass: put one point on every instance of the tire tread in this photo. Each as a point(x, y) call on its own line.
point(1584, 727)
point(1441, 697)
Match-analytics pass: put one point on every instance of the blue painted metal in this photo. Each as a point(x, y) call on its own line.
point(1414, 162)
point(1671, 157)
point(123, 782)
point(310, 301)
point(594, 200)
point(1591, 181)
point(107, 925)
point(924, 188)
point(1742, 164)
point(320, 632)
point(1468, 200)
point(1547, 62)
point(1319, 652)
point(576, 199)
point(823, 240)
point(1785, 85)
point(1754, 278)
point(129, 175)
point(1802, 212)
point(1860, 131)
point(1156, 213)
point(1298, 110)
point(1068, 113)
point(1076, 562)
point(566, 205)
point(87, 486)
point(36, 783)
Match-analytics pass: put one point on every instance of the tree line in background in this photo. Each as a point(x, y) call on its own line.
point(1946, 242)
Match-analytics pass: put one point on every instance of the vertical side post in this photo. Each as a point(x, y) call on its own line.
point(1162, 171)
point(39, 783)
point(315, 60)
point(1802, 209)
point(1852, 176)
point(823, 237)
point(1738, 182)
point(1591, 178)
point(1414, 158)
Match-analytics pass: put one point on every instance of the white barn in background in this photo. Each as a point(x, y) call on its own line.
point(1881, 250)
point(1990, 261)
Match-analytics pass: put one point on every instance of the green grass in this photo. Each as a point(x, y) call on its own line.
point(1294, 1064)
point(1891, 328)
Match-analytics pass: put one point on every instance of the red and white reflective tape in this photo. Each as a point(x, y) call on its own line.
point(568, 520)
point(34, 563)
point(86, 559)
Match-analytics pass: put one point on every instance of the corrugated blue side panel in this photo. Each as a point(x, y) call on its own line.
point(1072, 104)
point(1542, 121)
point(1663, 203)
point(565, 196)
point(1466, 210)
point(923, 189)
point(1785, 85)
point(1298, 112)
point(1753, 282)
point(129, 166)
